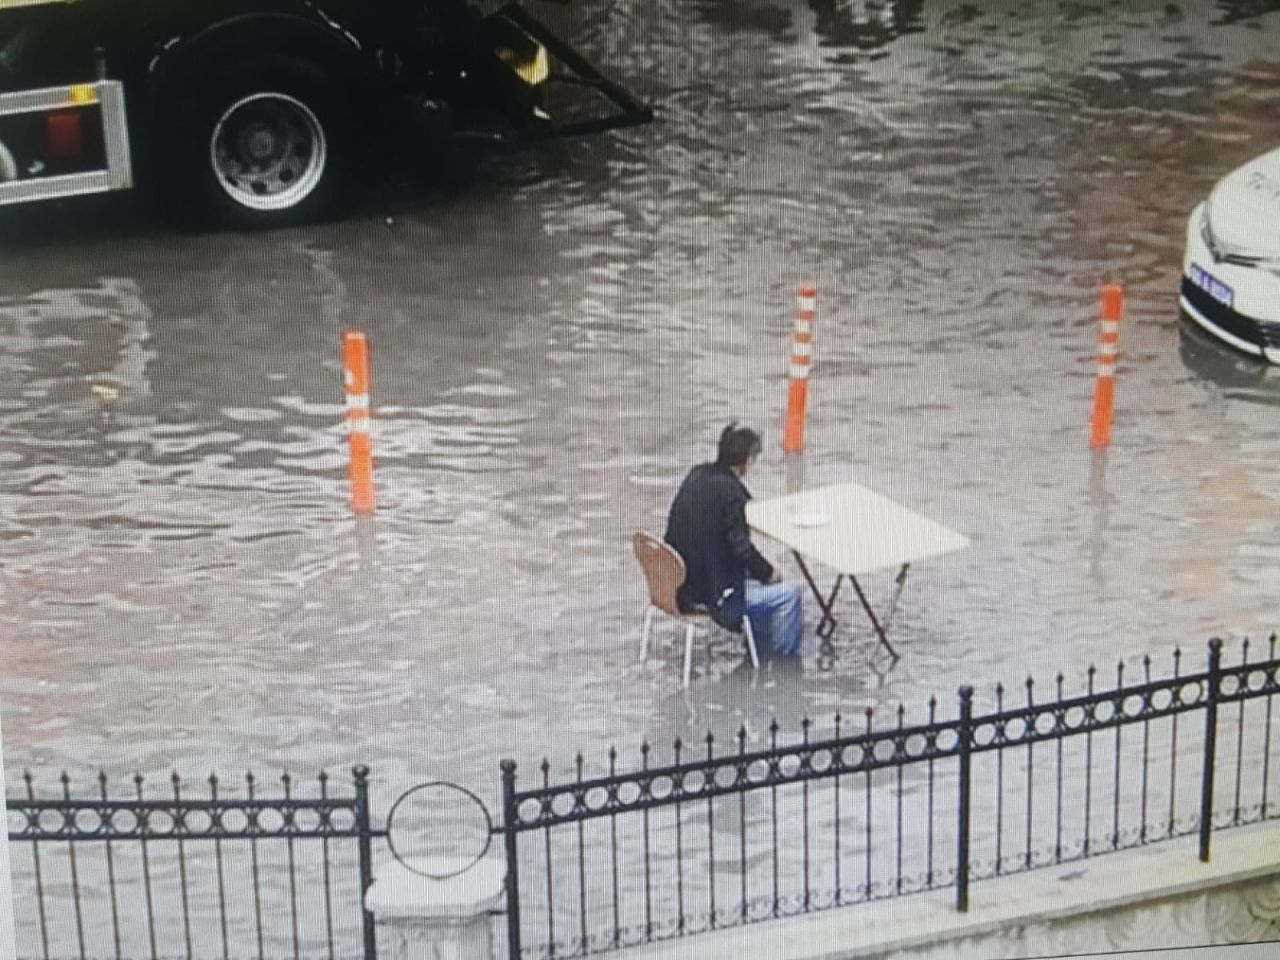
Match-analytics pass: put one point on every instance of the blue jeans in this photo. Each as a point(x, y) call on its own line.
point(777, 617)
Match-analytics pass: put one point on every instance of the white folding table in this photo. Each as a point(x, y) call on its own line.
point(853, 531)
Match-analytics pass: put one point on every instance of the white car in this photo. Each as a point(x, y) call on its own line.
point(1231, 270)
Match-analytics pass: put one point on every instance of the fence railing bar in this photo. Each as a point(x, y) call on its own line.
point(1173, 751)
point(75, 875)
point(252, 815)
point(613, 854)
point(677, 747)
point(866, 820)
point(1115, 778)
point(742, 835)
point(582, 866)
point(1057, 807)
point(189, 836)
point(933, 705)
point(999, 737)
point(182, 868)
point(835, 783)
point(1031, 762)
point(711, 786)
point(221, 872)
point(323, 779)
point(1235, 815)
point(898, 815)
point(39, 874)
point(511, 845)
point(146, 870)
point(1240, 689)
point(773, 805)
point(1146, 753)
point(648, 878)
point(1266, 748)
point(804, 730)
point(364, 843)
point(1094, 726)
point(287, 782)
point(964, 737)
point(1210, 746)
point(221, 805)
point(1088, 769)
point(551, 902)
point(543, 797)
point(711, 832)
point(111, 878)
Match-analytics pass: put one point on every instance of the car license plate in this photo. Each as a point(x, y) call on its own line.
point(1212, 285)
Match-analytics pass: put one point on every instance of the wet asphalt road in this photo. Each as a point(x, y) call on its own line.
point(560, 335)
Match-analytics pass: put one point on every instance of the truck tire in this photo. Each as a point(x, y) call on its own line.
point(264, 144)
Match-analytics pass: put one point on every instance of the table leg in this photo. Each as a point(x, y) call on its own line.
point(901, 581)
point(828, 622)
point(871, 614)
point(830, 617)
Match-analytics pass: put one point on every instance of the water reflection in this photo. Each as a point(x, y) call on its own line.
point(866, 25)
point(1236, 375)
point(741, 704)
point(1234, 11)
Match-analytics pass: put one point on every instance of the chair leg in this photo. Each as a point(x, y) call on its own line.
point(751, 642)
point(644, 633)
point(688, 652)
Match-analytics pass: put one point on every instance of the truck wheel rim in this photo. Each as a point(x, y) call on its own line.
point(268, 151)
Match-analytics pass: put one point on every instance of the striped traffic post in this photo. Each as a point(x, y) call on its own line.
point(355, 364)
point(1104, 389)
point(801, 355)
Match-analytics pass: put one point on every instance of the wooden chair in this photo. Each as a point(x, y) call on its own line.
point(664, 571)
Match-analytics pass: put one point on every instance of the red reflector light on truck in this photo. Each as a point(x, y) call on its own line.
point(63, 138)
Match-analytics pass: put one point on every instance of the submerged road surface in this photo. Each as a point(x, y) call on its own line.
point(183, 586)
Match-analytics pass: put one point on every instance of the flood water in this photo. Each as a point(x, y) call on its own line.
point(558, 340)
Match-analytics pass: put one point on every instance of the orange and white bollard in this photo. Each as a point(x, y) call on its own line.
point(801, 355)
point(355, 364)
point(1104, 390)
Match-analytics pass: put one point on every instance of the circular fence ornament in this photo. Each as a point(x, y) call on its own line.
point(439, 830)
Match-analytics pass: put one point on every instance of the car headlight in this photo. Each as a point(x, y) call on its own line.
point(1206, 231)
point(1225, 253)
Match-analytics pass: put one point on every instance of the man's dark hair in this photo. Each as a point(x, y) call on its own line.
point(737, 446)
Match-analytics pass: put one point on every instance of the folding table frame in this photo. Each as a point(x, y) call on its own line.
point(827, 625)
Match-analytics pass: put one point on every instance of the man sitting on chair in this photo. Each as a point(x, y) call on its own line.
point(724, 573)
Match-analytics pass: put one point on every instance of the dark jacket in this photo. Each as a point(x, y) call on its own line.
point(708, 528)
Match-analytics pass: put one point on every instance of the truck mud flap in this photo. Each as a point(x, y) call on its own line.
point(630, 112)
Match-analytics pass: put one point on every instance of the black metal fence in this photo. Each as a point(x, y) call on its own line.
point(164, 873)
point(724, 834)
point(719, 834)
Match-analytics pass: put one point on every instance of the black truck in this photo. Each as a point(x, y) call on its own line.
point(255, 113)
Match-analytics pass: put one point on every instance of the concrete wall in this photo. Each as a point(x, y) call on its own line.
point(1159, 896)
point(1247, 912)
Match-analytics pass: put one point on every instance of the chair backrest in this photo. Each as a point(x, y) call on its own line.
point(663, 569)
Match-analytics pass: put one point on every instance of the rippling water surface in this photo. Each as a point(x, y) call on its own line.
point(183, 585)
